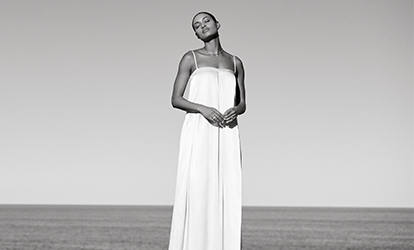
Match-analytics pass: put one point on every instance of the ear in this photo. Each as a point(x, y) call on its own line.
point(218, 25)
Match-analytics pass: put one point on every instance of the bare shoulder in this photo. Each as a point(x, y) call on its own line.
point(238, 61)
point(239, 65)
point(187, 61)
point(187, 57)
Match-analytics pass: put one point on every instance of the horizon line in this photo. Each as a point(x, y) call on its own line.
point(170, 205)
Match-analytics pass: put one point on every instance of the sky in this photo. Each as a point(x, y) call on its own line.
point(86, 118)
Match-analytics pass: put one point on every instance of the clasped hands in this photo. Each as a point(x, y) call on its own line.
point(214, 116)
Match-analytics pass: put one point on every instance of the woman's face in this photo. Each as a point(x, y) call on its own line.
point(205, 27)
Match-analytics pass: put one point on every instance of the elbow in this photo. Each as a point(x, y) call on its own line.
point(243, 108)
point(174, 102)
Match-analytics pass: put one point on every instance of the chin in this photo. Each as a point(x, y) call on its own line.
point(209, 38)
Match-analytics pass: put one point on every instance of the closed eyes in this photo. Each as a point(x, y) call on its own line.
point(205, 20)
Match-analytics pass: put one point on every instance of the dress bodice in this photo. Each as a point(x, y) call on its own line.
point(213, 87)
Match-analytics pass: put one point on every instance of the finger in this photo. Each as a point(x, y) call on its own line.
point(221, 120)
point(215, 123)
point(232, 114)
point(231, 117)
point(232, 111)
point(218, 124)
point(229, 111)
point(219, 117)
point(219, 114)
point(218, 120)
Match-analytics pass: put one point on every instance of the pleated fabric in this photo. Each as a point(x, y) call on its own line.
point(207, 209)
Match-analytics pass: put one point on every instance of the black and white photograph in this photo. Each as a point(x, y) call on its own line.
point(206, 125)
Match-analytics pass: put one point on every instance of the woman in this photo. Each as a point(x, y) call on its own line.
point(207, 209)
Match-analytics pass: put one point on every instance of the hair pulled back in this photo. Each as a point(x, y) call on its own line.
point(203, 12)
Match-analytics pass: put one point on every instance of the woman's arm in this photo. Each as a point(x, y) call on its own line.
point(180, 83)
point(240, 107)
point(179, 102)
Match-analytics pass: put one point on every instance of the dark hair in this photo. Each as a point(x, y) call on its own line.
point(203, 12)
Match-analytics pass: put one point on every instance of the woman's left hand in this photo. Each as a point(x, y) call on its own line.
point(230, 115)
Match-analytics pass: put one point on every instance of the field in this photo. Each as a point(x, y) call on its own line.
point(45, 227)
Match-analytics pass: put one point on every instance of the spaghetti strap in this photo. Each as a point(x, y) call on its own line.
point(195, 59)
point(234, 64)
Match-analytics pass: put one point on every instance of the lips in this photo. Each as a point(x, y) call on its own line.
point(205, 30)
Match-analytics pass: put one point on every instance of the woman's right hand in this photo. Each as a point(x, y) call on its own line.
point(213, 116)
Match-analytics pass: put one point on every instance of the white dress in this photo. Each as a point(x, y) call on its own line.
point(207, 210)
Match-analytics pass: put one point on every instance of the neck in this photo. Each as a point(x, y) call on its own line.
point(213, 46)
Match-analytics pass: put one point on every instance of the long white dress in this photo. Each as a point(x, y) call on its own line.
point(207, 210)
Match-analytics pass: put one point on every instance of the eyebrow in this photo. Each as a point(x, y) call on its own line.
point(206, 16)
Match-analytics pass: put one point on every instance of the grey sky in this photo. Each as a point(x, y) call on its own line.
point(85, 100)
